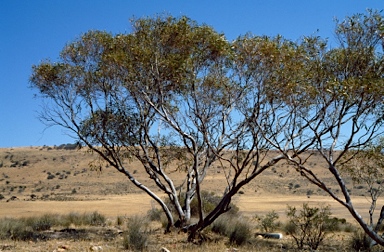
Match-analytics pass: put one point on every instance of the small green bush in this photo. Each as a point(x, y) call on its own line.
point(268, 222)
point(309, 226)
point(137, 235)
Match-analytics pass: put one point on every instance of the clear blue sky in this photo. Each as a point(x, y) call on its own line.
point(31, 31)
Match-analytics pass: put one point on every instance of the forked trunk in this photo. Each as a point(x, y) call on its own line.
point(221, 208)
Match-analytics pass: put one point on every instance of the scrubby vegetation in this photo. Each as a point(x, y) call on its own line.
point(268, 223)
point(31, 228)
point(143, 233)
point(309, 226)
point(137, 235)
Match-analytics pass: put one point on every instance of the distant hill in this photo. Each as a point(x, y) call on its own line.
point(54, 173)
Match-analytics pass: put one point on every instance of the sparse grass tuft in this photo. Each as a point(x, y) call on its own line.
point(236, 229)
point(155, 214)
point(42, 223)
point(241, 233)
point(119, 220)
point(221, 226)
point(137, 235)
point(360, 242)
point(95, 219)
point(91, 219)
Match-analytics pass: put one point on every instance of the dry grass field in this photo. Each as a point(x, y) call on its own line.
point(40, 180)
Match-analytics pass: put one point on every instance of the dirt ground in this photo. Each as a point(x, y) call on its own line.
point(39, 180)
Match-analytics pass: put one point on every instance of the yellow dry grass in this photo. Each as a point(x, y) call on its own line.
point(111, 193)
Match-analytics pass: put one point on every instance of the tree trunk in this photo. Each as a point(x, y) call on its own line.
point(221, 208)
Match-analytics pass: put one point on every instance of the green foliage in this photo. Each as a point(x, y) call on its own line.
point(268, 222)
point(309, 226)
point(137, 235)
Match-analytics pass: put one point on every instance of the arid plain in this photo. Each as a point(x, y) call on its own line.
point(40, 180)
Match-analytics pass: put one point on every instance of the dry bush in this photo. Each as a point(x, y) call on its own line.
point(241, 233)
point(137, 235)
point(360, 242)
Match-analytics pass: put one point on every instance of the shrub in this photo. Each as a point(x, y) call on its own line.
point(349, 228)
point(15, 229)
point(154, 214)
point(309, 227)
point(268, 222)
point(95, 219)
point(50, 176)
point(41, 223)
point(221, 226)
point(360, 242)
point(237, 230)
point(71, 219)
point(241, 233)
point(137, 234)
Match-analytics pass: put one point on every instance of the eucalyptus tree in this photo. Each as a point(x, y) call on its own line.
point(175, 92)
point(335, 105)
point(157, 94)
point(170, 92)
